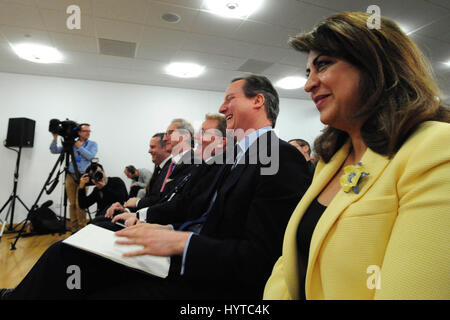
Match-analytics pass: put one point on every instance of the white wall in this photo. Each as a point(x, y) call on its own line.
point(123, 118)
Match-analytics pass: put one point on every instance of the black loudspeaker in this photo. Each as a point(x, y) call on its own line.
point(20, 132)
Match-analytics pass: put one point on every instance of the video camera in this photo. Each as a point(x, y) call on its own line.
point(93, 174)
point(67, 129)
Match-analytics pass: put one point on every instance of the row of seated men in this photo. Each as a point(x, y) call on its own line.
point(147, 187)
point(219, 215)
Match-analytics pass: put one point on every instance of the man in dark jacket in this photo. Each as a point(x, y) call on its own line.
point(107, 191)
point(233, 232)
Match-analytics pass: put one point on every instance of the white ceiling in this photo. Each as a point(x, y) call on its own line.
point(221, 44)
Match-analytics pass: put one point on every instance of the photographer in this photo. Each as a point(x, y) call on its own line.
point(107, 191)
point(140, 178)
point(84, 150)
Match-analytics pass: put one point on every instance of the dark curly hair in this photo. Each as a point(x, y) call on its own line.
point(398, 85)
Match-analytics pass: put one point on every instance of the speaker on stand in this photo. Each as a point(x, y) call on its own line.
point(20, 135)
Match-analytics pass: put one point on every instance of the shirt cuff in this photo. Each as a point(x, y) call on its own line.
point(142, 214)
point(184, 254)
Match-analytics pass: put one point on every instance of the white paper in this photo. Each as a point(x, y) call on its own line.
point(102, 242)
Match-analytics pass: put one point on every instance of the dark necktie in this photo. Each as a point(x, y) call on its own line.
point(196, 224)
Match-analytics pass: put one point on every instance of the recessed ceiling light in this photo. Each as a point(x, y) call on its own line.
point(37, 53)
point(233, 8)
point(184, 69)
point(290, 83)
point(447, 63)
point(171, 17)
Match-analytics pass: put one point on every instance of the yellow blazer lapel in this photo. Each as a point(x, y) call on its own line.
point(374, 164)
point(321, 179)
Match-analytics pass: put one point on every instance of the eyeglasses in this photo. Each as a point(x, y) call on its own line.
point(169, 132)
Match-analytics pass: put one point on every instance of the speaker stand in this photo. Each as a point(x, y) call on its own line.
point(12, 198)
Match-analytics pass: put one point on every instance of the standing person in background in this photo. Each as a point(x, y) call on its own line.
point(304, 147)
point(84, 151)
point(374, 223)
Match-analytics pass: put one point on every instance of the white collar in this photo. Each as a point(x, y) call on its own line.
point(178, 157)
point(163, 163)
point(249, 139)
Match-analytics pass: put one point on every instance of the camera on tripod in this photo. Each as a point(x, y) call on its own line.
point(67, 129)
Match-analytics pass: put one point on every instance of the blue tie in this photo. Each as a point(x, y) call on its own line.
point(200, 220)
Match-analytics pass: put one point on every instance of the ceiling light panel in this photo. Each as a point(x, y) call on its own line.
point(184, 69)
point(290, 83)
point(240, 9)
point(37, 53)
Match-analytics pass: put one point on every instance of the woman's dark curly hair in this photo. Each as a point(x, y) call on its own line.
point(399, 91)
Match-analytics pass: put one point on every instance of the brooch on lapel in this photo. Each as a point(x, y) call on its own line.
point(353, 175)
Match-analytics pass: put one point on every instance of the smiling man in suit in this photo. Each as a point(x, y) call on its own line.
point(161, 157)
point(230, 250)
point(179, 138)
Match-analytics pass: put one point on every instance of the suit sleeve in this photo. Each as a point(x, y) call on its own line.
point(248, 258)
point(86, 201)
point(416, 260)
point(117, 189)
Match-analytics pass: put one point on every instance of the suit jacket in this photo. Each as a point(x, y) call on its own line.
point(186, 163)
point(395, 230)
point(241, 238)
point(189, 192)
point(153, 193)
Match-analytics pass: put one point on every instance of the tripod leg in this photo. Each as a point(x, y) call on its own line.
point(3, 222)
point(6, 203)
point(18, 198)
point(35, 206)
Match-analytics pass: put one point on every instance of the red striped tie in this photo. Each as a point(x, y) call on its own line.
point(167, 175)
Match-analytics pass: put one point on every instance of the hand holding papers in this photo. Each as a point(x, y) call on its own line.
point(105, 243)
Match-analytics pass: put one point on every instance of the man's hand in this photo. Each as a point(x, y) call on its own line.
point(84, 180)
point(158, 240)
point(131, 203)
point(78, 144)
point(113, 208)
point(100, 184)
point(124, 217)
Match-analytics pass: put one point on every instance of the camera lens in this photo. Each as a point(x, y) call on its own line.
point(98, 176)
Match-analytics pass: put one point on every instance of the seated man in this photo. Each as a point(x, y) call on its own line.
point(231, 250)
point(179, 138)
point(107, 191)
point(140, 178)
point(211, 142)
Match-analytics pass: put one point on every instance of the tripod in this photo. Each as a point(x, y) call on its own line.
point(66, 155)
point(12, 198)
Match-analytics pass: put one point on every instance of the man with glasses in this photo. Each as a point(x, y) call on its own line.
point(84, 151)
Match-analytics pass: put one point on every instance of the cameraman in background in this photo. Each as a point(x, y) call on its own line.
point(84, 150)
point(107, 191)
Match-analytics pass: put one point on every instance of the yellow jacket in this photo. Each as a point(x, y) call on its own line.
point(390, 241)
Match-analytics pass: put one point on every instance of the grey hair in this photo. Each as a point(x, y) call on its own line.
point(185, 125)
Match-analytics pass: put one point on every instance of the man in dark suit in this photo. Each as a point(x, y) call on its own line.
point(211, 143)
point(161, 157)
point(179, 138)
point(230, 252)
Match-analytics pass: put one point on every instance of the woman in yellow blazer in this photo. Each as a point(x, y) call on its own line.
point(375, 223)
